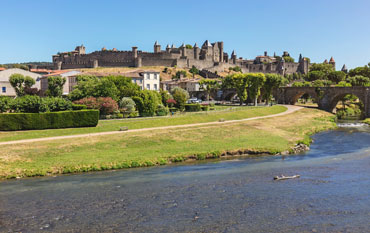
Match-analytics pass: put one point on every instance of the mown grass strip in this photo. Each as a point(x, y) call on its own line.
point(139, 123)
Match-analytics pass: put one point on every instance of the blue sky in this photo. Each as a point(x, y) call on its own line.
point(319, 29)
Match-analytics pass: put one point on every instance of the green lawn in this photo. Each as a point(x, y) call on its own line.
point(158, 147)
point(225, 112)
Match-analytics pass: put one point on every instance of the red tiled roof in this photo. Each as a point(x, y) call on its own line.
point(2, 68)
point(56, 72)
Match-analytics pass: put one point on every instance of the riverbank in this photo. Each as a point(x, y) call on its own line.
point(159, 147)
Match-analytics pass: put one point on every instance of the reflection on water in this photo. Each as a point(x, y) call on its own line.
point(333, 194)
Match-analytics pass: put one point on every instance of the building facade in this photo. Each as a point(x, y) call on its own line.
point(7, 89)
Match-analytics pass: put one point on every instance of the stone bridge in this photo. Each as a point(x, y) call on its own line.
point(327, 98)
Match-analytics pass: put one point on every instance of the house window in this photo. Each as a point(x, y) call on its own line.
point(3, 89)
point(155, 87)
point(148, 86)
point(141, 81)
point(147, 76)
point(155, 76)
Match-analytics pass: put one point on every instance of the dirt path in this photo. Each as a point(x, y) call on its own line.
point(290, 109)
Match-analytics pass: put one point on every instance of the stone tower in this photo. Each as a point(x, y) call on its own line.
point(157, 47)
point(81, 49)
point(344, 69)
point(332, 62)
point(196, 51)
point(233, 57)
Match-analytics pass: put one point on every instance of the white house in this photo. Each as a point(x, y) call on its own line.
point(146, 79)
point(7, 89)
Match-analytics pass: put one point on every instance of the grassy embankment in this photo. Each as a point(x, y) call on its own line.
point(271, 135)
point(226, 113)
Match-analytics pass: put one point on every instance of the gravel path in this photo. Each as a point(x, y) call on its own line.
point(290, 109)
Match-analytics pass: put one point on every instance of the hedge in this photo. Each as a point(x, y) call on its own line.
point(193, 107)
point(205, 107)
point(49, 120)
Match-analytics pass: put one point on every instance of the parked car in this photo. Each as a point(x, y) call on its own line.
point(194, 101)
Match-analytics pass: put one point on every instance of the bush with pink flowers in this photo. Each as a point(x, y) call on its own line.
point(106, 105)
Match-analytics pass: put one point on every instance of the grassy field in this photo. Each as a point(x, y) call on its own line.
point(160, 147)
point(224, 112)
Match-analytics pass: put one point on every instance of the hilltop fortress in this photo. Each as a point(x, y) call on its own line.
point(210, 57)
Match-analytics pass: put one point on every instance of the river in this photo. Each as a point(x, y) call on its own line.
point(333, 194)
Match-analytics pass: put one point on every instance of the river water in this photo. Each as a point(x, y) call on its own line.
point(332, 195)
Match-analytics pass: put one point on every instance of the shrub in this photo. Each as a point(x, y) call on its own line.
point(205, 107)
point(55, 104)
point(161, 110)
point(106, 105)
point(165, 96)
point(180, 96)
point(5, 103)
point(127, 106)
point(36, 104)
point(146, 102)
point(28, 103)
point(193, 107)
point(49, 120)
point(171, 102)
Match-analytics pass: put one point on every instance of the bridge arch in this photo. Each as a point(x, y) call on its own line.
point(326, 97)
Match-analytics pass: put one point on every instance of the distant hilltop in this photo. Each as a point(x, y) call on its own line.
point(210, 56)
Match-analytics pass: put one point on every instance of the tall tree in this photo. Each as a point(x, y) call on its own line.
point(194, 71)
point(272, 81)
point(55, 86)
point(209, 85)
point(240, 83)
point(256, 81)
point(20, 82)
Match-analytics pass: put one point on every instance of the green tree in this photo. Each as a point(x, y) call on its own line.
point(180, 96)
point(55, 86)
point(363, 71)
point(194, 71)
point(236, 69)
point(209, 85)
point(165, 96)
point(124, 85)
point(20, 82)
point(256, 81)
point(240, 83)
point(326, 68)
point(316, 75)
point(188, 46)
point(146, 102)
point(343, 84)
point(336, 76)
point(359, 80)
point(321, 83)
point(272, 81)
point(302, 84)
point(127, 106)
point(91, 86)
point(288, 59)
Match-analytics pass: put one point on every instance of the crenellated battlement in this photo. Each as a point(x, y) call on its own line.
point(210, 56)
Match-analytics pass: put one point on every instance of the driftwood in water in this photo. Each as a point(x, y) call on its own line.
point(282, 177)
